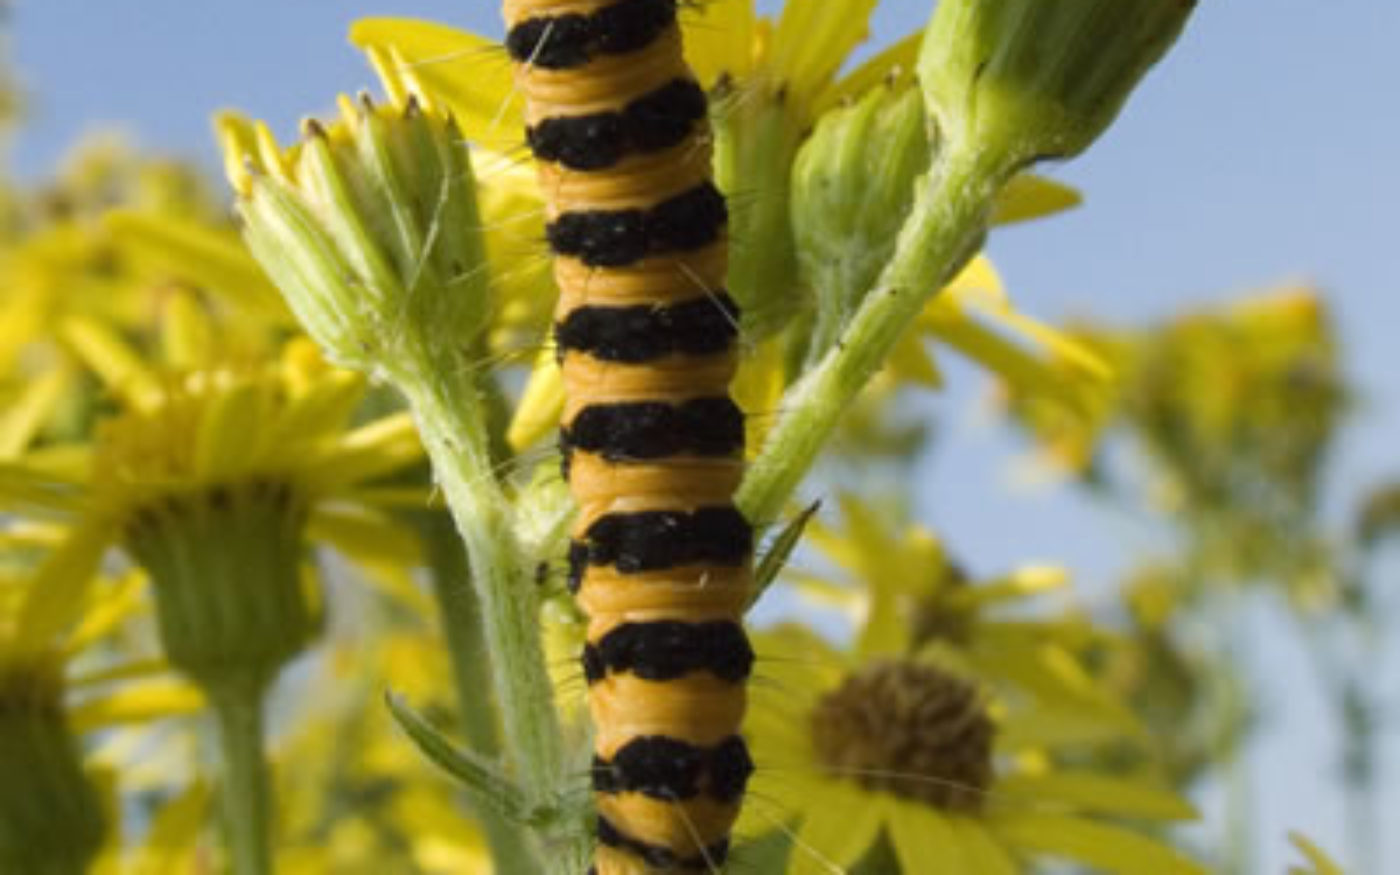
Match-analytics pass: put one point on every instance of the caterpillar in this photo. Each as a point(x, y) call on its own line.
point(660, 558)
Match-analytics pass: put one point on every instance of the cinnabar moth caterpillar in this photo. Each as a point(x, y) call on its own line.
point(653, 444)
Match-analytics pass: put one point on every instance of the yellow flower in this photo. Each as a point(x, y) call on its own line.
point(904, 596)
point(863, 759)
point(208, 446)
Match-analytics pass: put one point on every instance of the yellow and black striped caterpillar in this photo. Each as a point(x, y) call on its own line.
point(653, 443)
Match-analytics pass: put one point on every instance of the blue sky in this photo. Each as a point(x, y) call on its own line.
point(1263, 149)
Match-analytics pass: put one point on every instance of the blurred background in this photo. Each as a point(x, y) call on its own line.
point(1260, 153)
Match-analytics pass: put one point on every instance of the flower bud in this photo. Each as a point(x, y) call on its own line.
point(51, 817)
point(370, 228)
point(1030, 79)
point(853, 187)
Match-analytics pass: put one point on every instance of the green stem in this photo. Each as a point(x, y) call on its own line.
point(943, 230)
point(246, 789)
point(511, 848)
point(447, 406)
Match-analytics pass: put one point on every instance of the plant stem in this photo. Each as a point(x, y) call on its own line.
point(943, 230)
point(511, 848)
point(447, 406)
point(245, 793)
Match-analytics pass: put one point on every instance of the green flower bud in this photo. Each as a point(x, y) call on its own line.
point(370, 228)
point(51, 819)
point(226, 565)
point(1030, 79)
point(754, 142)
point(853, 187)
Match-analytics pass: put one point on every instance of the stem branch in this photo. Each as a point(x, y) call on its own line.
point(943, 230)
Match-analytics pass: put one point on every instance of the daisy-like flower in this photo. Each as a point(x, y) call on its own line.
point(215, 481)
point(937, 735)
point(902, 595)
point(904, 757)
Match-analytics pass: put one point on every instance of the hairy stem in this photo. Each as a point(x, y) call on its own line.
point(943, 230)
point(448, 408)
point(511, 847)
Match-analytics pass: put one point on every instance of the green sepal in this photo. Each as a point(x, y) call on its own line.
point(1020, 80)
point(853, 188)
point(226, 566)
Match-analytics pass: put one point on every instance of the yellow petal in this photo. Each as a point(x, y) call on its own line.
point(136, 703)
point(199, 255)
point(719, 38)
point(25, 416)
point(56, 597)
point(1009, 361)
point(911, 361)
point(837, 829)
point(1028, 196)
point(758, 389)
point(119, 600)
point(893, 65)
point(984, 854)
point(541, 404)
point(978, 283)
point(1320, 862)
point(170, 845)
point(29, 490)
point(1093, 794)
point(924, 840)
point(1110, 848)
point(223, 447)
point(119, 366)
point(813, 40)
point(370, 451)
point(468, 73)
point(1032, 580)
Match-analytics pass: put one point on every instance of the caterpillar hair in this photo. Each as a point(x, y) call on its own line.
point(660, 558)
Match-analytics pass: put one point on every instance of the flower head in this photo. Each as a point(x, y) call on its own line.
point(369, 225)
point(1020, 80)
point(906, 756)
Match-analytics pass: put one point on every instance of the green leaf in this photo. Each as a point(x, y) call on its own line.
point(780, 551)
point(481, 778)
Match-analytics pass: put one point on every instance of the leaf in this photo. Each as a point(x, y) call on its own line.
point(780, 551)
point(480, 778)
